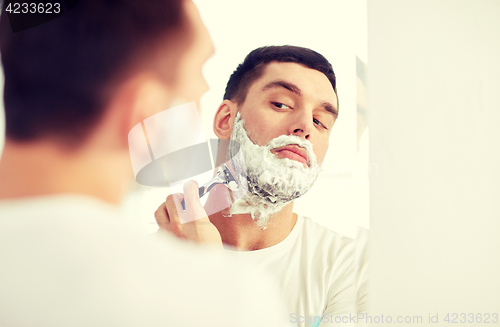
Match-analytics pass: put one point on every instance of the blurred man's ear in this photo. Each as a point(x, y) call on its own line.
point(138, 98)
point(224, 119)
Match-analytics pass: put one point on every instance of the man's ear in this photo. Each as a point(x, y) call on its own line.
point(224, 119)
point(138, 98)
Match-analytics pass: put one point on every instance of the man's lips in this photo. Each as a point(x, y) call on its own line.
point(293, 152)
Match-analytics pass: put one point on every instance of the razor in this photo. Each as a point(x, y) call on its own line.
point(223, 176)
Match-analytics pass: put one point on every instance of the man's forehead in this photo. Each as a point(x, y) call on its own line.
point(299, 75)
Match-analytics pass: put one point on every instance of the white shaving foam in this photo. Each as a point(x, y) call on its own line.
point(272, 182)
point(233, 186)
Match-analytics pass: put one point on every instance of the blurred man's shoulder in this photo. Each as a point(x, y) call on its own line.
point(67, 256)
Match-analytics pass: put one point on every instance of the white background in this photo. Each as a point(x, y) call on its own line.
point(434, 98)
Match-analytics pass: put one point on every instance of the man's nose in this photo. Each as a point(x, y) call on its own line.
point(302, 124)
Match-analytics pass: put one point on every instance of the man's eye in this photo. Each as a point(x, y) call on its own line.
point(280, 105)
point(317, 122)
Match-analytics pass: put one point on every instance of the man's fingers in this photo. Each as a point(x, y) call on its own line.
point(161, 216)
point(172, 204)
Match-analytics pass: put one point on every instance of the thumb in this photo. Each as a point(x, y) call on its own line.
point(191, 195)
point(194, 209)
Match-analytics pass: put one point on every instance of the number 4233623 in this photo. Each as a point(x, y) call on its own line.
point(33, 8)
point(485, 318)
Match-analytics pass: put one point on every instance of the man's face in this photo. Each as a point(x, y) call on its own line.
point(282, 129)
point(290, 99)
point(191, 84)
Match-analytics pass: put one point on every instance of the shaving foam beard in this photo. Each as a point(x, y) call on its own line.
point(272, 182)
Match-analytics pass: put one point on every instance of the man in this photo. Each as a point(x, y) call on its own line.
point(280, 106)
point(74, 88)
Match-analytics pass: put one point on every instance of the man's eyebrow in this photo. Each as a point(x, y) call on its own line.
point(284, 84)
point(295, 89)
point(331, 109)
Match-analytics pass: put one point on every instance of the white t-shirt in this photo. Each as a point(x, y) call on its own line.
point(316, 270)
point(72, 261)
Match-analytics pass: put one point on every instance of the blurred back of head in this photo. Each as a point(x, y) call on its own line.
point(59, 76)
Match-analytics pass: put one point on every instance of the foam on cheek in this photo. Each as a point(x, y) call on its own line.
point(272, 182)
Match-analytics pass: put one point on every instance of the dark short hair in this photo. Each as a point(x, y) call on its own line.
point(59, 75)
point(253, 67)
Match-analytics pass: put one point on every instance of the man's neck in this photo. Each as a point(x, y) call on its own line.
point(43, 168)
point(243, 233)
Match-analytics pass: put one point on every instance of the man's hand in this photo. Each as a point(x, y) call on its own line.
point(199, 228)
